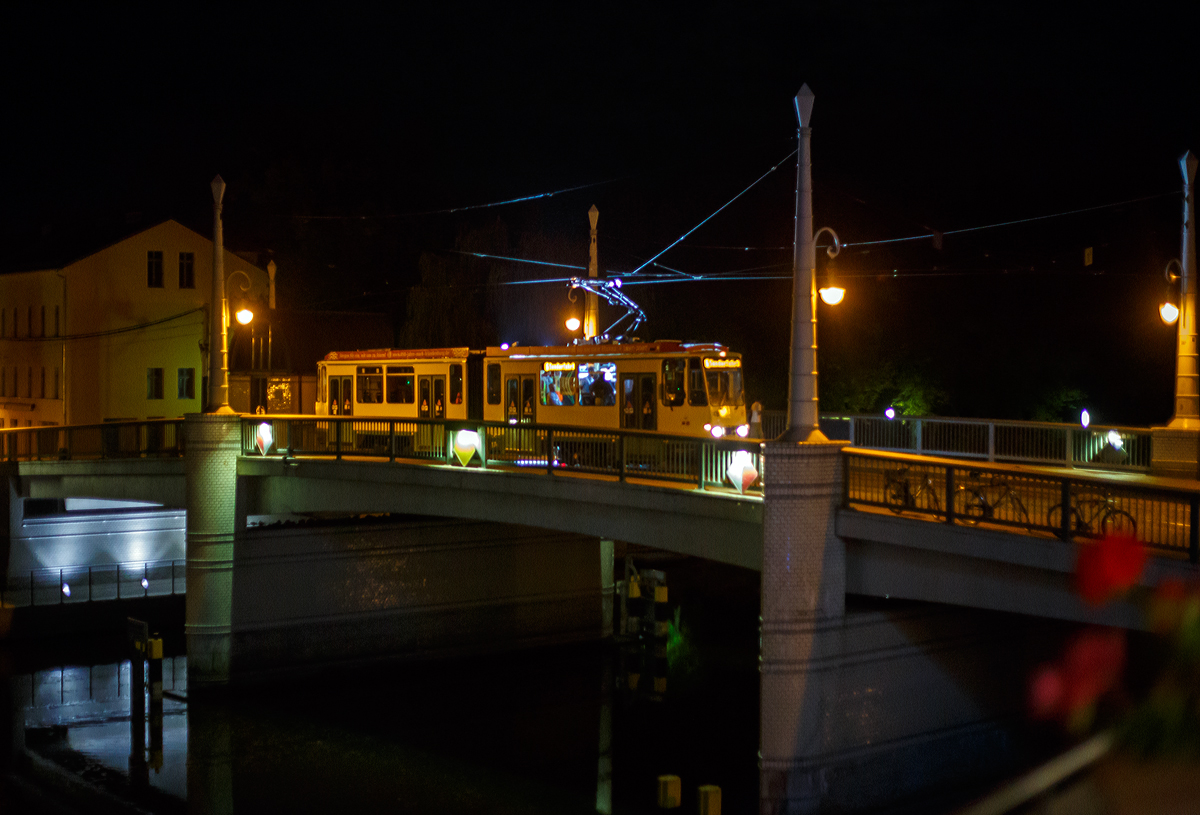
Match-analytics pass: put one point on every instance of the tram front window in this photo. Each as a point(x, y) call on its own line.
point(725, 388)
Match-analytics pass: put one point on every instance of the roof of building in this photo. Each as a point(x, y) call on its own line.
point(31, 247)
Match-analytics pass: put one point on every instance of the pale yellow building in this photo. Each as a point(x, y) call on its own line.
point(119, 334)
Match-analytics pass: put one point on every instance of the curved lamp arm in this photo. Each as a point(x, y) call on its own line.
point(1171, 278)
point(832, 251)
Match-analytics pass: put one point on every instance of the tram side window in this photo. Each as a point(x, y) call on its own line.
point(370, 385)
point(493, 384)
point(597, 383)
point(456, 385)
point(674, 374)
point(559, 388)
point(696, 395)
point(400, 390)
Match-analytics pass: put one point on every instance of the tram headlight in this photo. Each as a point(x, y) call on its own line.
point(707, 427)
point(718, 431)
point(743, 430)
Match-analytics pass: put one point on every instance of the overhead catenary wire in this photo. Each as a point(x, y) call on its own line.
point(109, 332)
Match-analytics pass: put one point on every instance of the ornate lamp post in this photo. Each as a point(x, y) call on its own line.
point(218, 367)
point(591, 313)
point(803, 419)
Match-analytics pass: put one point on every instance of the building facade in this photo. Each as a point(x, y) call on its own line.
point(119, 334)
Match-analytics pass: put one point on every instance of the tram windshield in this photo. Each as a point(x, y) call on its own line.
point(724, 385)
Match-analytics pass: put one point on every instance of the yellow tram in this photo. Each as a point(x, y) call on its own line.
point(667, 387)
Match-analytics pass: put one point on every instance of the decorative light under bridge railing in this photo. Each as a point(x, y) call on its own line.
point(1104, 447)
point(625, 454)
point(71, 585)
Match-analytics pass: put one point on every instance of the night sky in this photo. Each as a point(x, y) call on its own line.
point(344, 135)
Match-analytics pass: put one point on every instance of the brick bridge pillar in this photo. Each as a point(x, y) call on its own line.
point(803, 605)
point(213, 520)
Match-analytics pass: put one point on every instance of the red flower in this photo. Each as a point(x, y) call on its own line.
point(1070, 688)
point(1109, 567)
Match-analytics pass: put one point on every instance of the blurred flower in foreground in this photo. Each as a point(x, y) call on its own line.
point(1109, 567)
point(1069, 689)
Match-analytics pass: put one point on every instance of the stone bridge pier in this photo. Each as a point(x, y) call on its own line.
point(271, 599)
point(871, 701)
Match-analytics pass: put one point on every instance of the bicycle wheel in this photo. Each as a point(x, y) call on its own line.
point(1118, 522)
point(927, 497)
point(970, 506)
point(1014, 509)
point(895, 494)
point(1054, 521)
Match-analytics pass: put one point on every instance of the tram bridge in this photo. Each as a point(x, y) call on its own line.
point(891, 606)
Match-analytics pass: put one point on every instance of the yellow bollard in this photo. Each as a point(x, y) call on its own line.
point(710, 799)
point(668, 791)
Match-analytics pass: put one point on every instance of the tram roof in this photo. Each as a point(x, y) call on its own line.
point(607, 350)
point(629, 349)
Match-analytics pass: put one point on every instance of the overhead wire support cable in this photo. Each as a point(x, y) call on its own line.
point(713, 215)
point(451, 210)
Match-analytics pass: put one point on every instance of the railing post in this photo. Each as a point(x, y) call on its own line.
point(1064, 530)
point(483, 446)
point(852, 431)
point(917, 433)
point(61, 597)
point(337, 438)
point(950, 494)
point(1069, 453)
point(1194, 530)
point(991, 441)
point(549, 450)
point(700, 462)
point(621, 457)
point(118, 581)
point(392, 440)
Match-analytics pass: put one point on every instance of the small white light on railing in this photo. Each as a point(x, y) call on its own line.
point(717, 431)
point(707, 427)
point(264, 438)
point(466, 443)
point(741, 472)
point(503, 346)
point(66, 589)
point(1114, 438)
point(890, 413)
point(1085, 418)
point(145, 583)
point(743, 430)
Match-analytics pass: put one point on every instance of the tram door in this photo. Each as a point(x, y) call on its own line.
point(431, 397)
point(638, 394)
point(431, 404)
point(341, 395)
point(520, 399)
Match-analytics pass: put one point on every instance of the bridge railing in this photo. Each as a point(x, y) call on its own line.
point(1105, 447)
point(621, 453)
point(153, 438)
point(970, 494)
point(89, 584)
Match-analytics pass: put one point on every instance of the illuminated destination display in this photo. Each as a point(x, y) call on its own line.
point(558, 366)
point(722, 363)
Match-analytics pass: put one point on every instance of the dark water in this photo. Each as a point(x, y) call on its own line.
point(548, 730)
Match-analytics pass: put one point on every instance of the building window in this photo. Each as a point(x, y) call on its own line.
point(57, 393)
point(187, 270)
point(154, 270)
point(187, 383)
point(43, 388)
point(56, 321)
point(154, 383)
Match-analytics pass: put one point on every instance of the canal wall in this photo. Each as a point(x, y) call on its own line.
point(306, 595)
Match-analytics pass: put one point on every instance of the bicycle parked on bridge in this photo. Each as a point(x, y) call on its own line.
point(1093, 514)
point(993, 499)
point(905, 490)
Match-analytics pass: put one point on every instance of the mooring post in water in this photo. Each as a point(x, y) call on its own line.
point(137, 635)
point(154, 655)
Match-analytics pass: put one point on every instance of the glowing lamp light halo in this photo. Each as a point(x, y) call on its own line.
point(832, 295)
point(1169, 313)
point(573, 324)
point(264, 438)
point(1114, 439)
point(1085, 418)
point(890, 413)
point(466, 445)
point(244, 316)
point(741, 472)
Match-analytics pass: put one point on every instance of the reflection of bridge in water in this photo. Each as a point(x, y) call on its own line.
point(974, 540)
